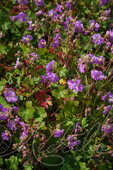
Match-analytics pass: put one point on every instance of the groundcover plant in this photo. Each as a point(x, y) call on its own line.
point(56, 86)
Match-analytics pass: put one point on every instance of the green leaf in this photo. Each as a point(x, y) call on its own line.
point(28, 104)
point(1, 161)
point(56, 94)
point(3, 49)
point(2, 84)
point(28, 167)
point(84, 122)
point(14, 1)
point(3, 102)
point(12, 162)
point(63, 72)
point(40, 114)
point(63, 93)
point(83, 166)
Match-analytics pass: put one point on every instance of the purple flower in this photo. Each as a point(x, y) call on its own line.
point(94, 25)
point(6, 135)
point(68, 5)
point(55, 42)
point(39, 2)
point(21, 17)
point(107, 128)
point(42, 43)
point(5, 109)
point(110, 100)
point(108, 44)
point(10, 96)
point(27, 38)
point(39, 13)
point(44, 78)
point(72, 141)
point(105, 97)
point(23, 2)
point(30, 25)
point(78, 26)
point(17, 63)
point(103, 2)
point(12, 125)
point(13, 18)
point(59, 8)
point(97, 39)
point(75, 85)
point(77, 127)
point(23, 135)
point(34, 56)
point(1, 107)
point(107, 12)
point(86, 32)
point(68, 21)
point(58, 133)
point(109, 34)
point(107, 109)
point(97, 60)
point(97, 75)
point(82, 67)
point(52, 77)
point(51, 13)
point(50, 66)
point(15, 109)
point(57, 17)
point(3, 116)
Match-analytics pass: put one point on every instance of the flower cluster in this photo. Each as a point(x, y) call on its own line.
point(75, 85)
